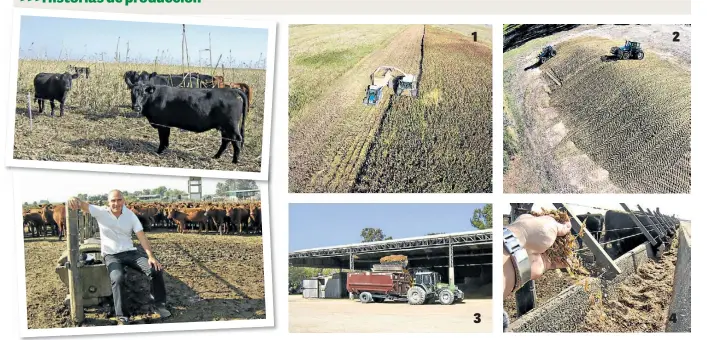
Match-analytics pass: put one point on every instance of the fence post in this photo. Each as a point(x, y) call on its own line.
point(29, 110)
point(75, 289)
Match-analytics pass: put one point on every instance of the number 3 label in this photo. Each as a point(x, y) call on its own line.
point(477, 318)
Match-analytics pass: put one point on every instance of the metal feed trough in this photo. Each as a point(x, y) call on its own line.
point(663, 227)
point(81, 266)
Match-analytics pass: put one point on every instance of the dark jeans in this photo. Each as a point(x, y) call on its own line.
point(116, 270)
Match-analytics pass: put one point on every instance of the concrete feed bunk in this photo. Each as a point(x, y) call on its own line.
point(588, 306)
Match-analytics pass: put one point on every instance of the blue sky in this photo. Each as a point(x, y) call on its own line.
point(322, 225)
point(88, 38)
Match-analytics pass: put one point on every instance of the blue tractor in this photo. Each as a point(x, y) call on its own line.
point(630, 50)
point(547, 53)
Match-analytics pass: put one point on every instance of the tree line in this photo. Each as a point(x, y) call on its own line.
point(162, 191)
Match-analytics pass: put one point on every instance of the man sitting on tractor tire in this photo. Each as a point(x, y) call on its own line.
point(116, 222)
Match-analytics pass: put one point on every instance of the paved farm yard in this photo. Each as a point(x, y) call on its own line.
point(208, 278)
point(438, 142)
point(344, 315)
point(99, 125)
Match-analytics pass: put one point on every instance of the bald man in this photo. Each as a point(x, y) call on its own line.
point(116, 222)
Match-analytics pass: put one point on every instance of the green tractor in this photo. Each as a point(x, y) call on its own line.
point(428, 287)
point(630, 50)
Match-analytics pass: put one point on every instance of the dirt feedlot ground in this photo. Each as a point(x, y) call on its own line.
point(344, 315)
point(208, 278)
point(99, 125)
point(585, 123)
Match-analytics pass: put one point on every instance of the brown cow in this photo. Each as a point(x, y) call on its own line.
point(217, 216)
point(59, 214)
point(239, 216)
point(256, 217)
point(33, 221)
point(48, 217)
point(219, 83)
point(194, 215)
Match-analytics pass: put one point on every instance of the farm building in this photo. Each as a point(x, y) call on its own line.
point(237, 195)
point(463, 259)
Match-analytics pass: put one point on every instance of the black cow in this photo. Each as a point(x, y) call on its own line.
point(622, 234)
point(80, 70)
point(133, 77)
point(176, 80)
point(594, 224)
point(205, 80)
point(196, 110)
point(52, 86)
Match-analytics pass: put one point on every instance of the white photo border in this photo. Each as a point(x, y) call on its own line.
point(262, 175)
point(25, 332)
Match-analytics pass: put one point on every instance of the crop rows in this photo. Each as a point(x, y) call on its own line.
point(631, 117)
point(99, 125)
point(441, 141)
point(329, 137)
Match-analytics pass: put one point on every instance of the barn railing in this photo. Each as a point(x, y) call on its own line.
point(663, 228)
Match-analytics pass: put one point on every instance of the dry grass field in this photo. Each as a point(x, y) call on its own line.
point(99, 125)
point(437, 142)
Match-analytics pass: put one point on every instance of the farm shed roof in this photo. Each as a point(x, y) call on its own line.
point(470, 249)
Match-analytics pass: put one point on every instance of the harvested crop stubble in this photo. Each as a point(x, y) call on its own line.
point(441, 141)
point(631, 117)
point(329, 138)
point(99, 125)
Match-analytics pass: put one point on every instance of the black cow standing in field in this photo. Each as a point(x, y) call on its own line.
point(196, 110)
point(80, 70)
point(175, 80)
point(52, 86)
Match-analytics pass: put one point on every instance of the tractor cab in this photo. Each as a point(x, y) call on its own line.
point(428, 279)
point(373, 94)
point(631, 45)
point(407, 85)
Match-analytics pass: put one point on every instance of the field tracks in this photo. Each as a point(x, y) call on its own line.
point(328, 140)
point(376, 138)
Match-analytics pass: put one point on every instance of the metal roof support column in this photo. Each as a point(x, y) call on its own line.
point(451, 266)
point(351, 267)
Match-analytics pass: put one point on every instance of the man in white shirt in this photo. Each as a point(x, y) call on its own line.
point(116, 223)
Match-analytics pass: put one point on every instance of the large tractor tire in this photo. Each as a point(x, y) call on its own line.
point(553, 53)
point(365, 297)
point(640, 55)
point(446, 297)
point(543, 60)
point(416, 295)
